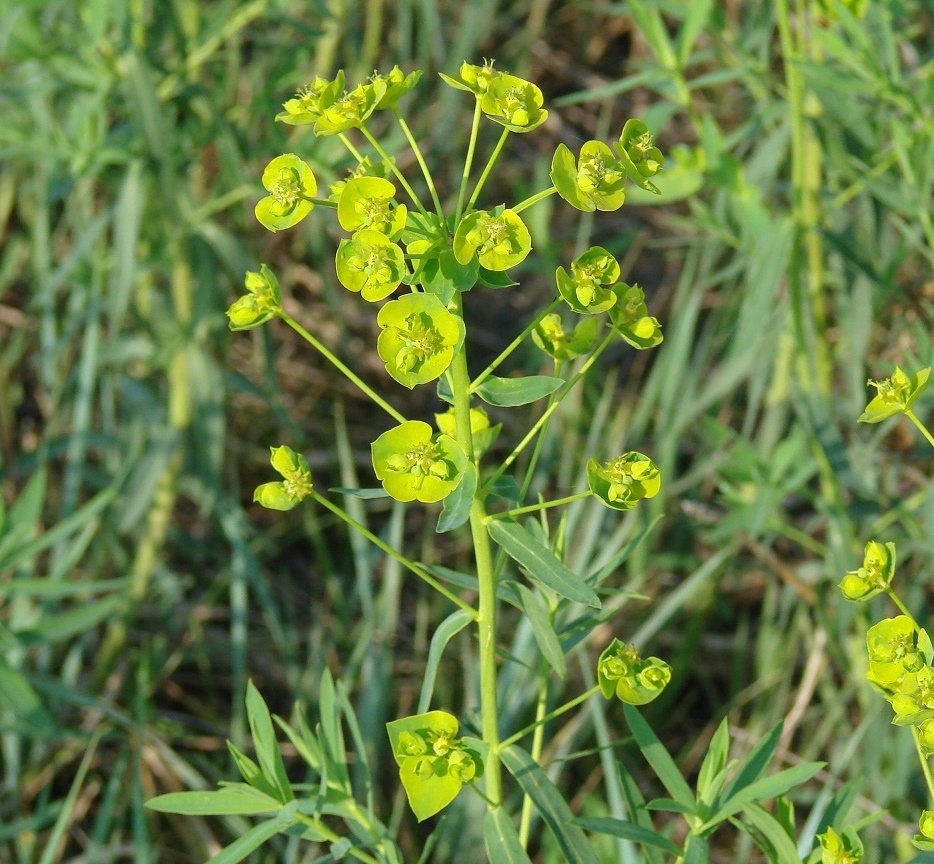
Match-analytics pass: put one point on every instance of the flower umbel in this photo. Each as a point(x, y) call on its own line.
point(596, 181)
point(583, 290)
point(370, 263)
point(894, 395)
point(874, 576)
point(624, 481)
point(291, 186)
point(499, 241)
point(634, 680)
point(296, 483)
point(418, 338)
point(414, 466)
point(261, 302)
point(309, 102)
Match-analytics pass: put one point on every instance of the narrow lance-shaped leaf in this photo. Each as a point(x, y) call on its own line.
point(540, 561)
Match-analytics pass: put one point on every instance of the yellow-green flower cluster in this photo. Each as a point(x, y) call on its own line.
point(632, 679)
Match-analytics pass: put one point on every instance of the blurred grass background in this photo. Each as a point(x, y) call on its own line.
point(789, 257)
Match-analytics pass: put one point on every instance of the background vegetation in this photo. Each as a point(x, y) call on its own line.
point(789, 257)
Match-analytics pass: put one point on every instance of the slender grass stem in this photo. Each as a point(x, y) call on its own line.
point(395, 170)
point(419, 571)
point(530, 435)
point(341, 367)
point(512, 346)
point(557, 712)
point(486, 577)
point(534, 199)
point(329, 835)
point(413, 143)
point(925, 762)
point(901, 606)
point(533, 508)
point(489, 167)
point(921, 427)
point(538, 740)
point(468, 164)
point(350, 147)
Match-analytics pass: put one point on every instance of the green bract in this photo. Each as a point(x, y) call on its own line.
point(397, 85)
point(631, 320)
point(306, 106)
point(583, 290)
point(514, 103)
point(291, 186)
point(296, 483)
point(473, 79)
point(370, 263)
point(350, 110)
point(638, 154)
point(550, 335)
point(874, 576)
point(414, 466)
point(261, 303)
point(844, 848)
point(925, 839)
point(481, 432)
point(894, 395)
point(434, 764)
point(596, 181)
point(418, 339)
point(366, 202)
point(621, 671)
point(624, 481)
point(892, 645)
point(913, 700)
point(499, 242)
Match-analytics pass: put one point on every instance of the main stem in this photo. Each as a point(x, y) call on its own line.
point(486, 576)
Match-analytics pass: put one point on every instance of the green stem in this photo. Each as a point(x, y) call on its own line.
point(468, 164)
point(512, 346)
point(421, 162)
point(534, 199)
point(422, 574)
point(530, 435)
point(538, 740)
point(532, 508)
point(331, 358)
point(901, 606)
point(557, 712)
point(489, 167)
point(321, 202)
point(349, 145)
point(395, 170)
point(318, 826)
point(925, 763)
point(921, 427)
point(486, 577)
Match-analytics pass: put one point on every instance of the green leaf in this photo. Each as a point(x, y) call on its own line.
point(74, 622)
point(365, 494)
point(542, 628)
point(540, 561)
point(551, 806)
point(628, 831)
point(506, 487)
point(231, 800)
point(251, 772)
point(756, 761)
point(494, 279)
point(501, 840)
point(715, 761)
point(446, 630)
point(509, 392)
point(780, 847)
point(256, 836)
point(331, 734)
point(765, 789)
point(267, 747)
point(456, 509)
point(660, 760)
point(698, 11)
point(18, 695)
point(697, 851)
